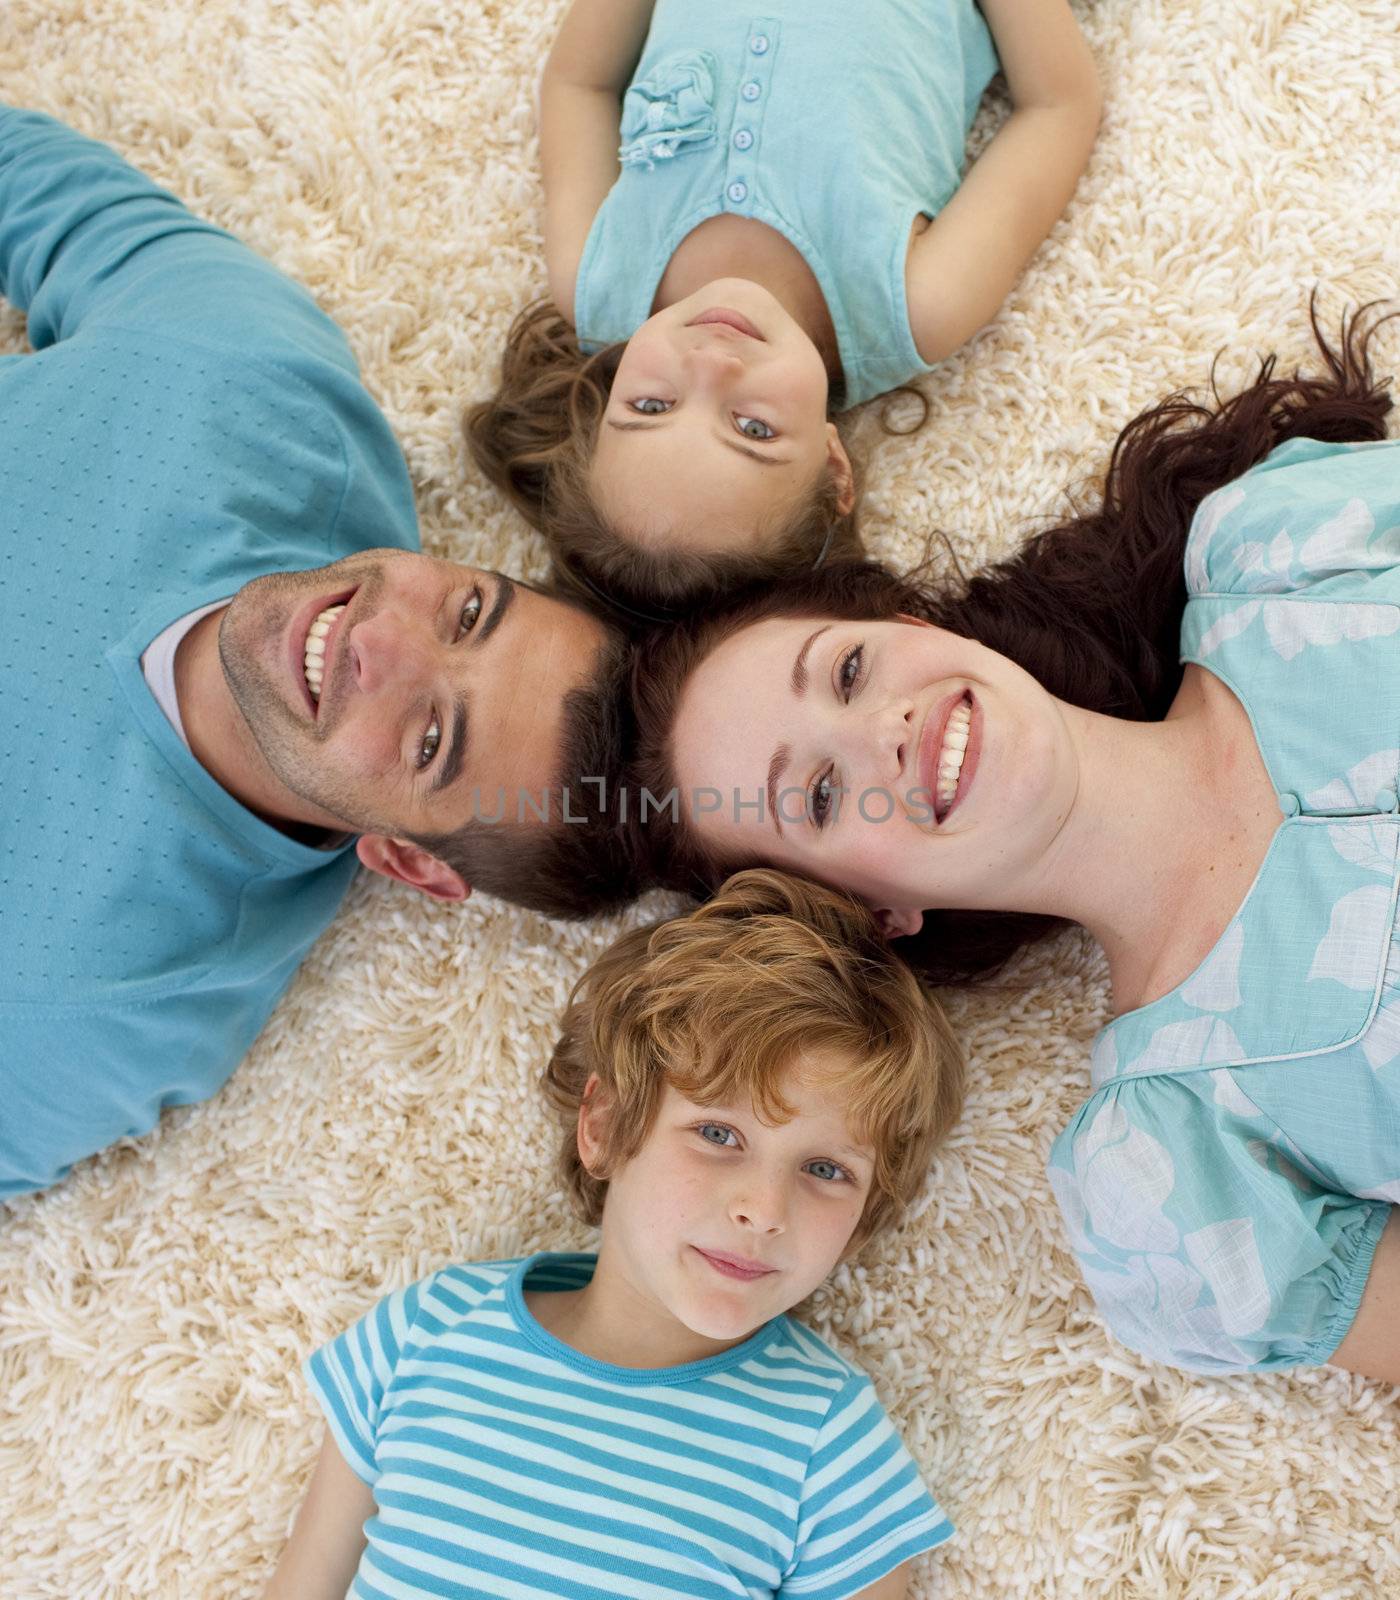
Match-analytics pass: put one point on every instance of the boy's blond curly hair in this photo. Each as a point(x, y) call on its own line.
point(722, 1002)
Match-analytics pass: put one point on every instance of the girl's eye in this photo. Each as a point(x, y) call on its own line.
point(717, 1133)
point(471, 614)
point(848, 674)
point(650, 406)
point(820, 797)
point(827, 1171)
point(429, 746)
point(754, 428)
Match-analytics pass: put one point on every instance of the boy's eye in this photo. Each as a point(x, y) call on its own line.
point(650, 406)
point(827, 1171)
point(428, 748)
point(754, 427)
point(471, 614)
point(717, 1133)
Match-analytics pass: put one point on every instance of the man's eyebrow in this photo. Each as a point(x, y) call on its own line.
point(450, 767)
point(505, 593)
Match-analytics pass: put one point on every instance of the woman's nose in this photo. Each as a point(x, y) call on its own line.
point(885, 737)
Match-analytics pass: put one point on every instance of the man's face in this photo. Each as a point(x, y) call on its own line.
point(385, 688)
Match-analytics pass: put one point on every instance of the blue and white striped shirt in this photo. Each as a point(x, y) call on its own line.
point(504, 1463)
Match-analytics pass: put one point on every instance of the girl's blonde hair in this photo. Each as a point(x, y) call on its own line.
point(724, 1001)
point(534, 439)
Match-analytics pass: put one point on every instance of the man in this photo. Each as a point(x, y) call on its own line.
point(221, 655)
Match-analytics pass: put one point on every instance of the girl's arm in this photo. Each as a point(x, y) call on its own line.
point(1372, 1344)
point(964, 264)
point(893, 1586)
point(585, 76)
point(327, 1540)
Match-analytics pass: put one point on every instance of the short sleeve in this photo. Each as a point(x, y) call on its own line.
point(351, 1375)
point(1207, 1242)
point(1310, 516)
point(864, 1506)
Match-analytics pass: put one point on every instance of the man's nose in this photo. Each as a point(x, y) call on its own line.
point(388, 649)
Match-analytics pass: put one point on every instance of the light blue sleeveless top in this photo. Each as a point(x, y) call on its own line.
point(835, 124)
point(1226, 1182)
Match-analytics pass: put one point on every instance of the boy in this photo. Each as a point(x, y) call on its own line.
point(748, 1093)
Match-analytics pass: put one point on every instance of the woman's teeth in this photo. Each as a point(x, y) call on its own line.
point(315, 664)
point(950, 756)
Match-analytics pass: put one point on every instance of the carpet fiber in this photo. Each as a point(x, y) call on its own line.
point(154, 1431)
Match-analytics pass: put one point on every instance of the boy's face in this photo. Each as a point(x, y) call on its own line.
point(722, 1222)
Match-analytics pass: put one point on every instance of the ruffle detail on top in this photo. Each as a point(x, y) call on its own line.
point(669, 111)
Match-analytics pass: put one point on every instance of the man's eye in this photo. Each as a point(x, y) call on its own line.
point(849, 674)
point(716, 1133)
point(650, 406)
point(820, 798)
point(429, 746)
point(754, 427)
point(826, 1170)
point(471, 614)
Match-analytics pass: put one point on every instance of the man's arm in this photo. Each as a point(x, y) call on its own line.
point(328, 1537)
point(585, 77)
point(968, 259)
point(86, 239)
point(1372, 1344)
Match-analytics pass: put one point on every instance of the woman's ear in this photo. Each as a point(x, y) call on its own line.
point(914, 622)
point(411, 864)
point(897, 924)
point(838, 464)
point(592, 1125)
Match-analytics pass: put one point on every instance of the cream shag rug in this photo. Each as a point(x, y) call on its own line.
point(154, 1431)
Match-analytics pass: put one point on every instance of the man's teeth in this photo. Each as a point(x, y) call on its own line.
point(315, 664)
point(950, 756)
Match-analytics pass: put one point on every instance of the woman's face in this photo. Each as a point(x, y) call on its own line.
point(716, 427)
point(905, 764)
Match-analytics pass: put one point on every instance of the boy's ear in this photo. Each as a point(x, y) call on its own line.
point(839, 465)
point(899, 923)
point(411, 864)
point(592, 1116)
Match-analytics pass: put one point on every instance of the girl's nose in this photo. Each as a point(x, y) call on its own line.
point(714, 362)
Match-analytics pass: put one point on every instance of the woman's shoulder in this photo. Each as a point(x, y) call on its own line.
point(1309, 513)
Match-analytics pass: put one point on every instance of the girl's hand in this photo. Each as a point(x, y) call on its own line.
point(587, 73)
point(966, 262)
point(1372, 1345)
point(329, 1535)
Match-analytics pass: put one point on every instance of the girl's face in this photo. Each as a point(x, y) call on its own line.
point(910, 766)
point(716, 427)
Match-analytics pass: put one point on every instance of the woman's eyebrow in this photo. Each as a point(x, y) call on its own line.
point(799, 667)
point(783, 754)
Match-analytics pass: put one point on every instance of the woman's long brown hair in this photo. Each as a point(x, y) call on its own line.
point(1091, 607)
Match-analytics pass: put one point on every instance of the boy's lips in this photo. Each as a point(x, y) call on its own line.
point(727, 317)
point(732, 1266)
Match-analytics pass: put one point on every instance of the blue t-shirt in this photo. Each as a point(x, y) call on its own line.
point(503, 1462)
point(1226, 1183)
point(189, 420)
point(837, 125)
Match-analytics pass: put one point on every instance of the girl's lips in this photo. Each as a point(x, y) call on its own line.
point(727, 318)
point(734, 1266)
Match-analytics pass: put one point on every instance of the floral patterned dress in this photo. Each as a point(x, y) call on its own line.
point(1226, 1183)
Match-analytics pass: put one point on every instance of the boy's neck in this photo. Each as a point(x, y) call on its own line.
point(609, 1321)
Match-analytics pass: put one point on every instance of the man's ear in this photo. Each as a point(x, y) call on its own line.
point(899, 924)
point(592, 1117)
point(839, 465)
point(411, 864)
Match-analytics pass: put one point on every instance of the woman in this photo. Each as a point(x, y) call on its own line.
point(982, 767)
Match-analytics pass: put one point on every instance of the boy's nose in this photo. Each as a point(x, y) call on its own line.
point(760, 1206)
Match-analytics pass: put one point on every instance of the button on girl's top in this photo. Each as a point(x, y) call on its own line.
point(1226, 1183)
point(842, 173)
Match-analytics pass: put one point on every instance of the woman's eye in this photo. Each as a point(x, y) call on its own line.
point(754, 428)
point(827, 1171)
point(849, 674)
point(429, 746)
point(650, 406)
point(471, 614)
point(716, 1133)
point(820, 797)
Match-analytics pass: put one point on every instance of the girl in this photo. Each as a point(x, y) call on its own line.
point(775, 229)
point(746, 1095)
point(980, 767)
